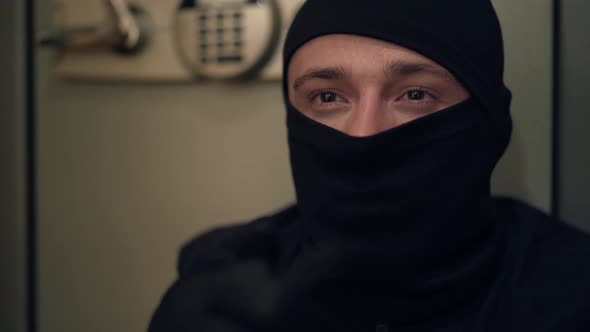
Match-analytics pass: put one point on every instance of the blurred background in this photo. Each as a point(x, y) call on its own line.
point(127, 127)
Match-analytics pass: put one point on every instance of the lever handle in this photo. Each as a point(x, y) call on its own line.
point(123, 31)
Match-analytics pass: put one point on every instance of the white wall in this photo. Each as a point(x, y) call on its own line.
point(129, 172)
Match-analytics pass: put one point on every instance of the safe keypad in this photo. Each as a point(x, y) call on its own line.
point(220, 35)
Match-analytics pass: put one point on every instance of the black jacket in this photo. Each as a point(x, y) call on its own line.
point(248, 277)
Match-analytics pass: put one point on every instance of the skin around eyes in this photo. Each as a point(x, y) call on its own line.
point(342, 82)
point(402, 102)
point(420, 99)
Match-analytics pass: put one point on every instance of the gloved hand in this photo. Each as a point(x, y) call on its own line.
point(239, 298)
point(227, 284)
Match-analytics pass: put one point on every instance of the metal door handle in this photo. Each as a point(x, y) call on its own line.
point(124, 30)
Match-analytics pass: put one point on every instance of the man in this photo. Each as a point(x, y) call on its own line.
point(397, 115)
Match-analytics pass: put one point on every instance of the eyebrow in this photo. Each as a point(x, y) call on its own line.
point(329, 73)
point(392, 69)
point(395, 68)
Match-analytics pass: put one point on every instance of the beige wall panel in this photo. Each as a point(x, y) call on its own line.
point(574, 187)
point(525, 170)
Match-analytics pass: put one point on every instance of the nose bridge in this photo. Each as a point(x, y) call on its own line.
point(367, 116)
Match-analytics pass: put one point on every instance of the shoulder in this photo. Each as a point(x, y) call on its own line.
point(229, 244)
point(550, 237)
point(550, 267)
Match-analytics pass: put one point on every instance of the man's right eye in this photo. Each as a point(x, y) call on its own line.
point(327, 97)
point(326, 100)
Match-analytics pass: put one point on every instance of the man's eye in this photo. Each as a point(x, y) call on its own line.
point(327, 100)
point(416, 95)
point(327, 97)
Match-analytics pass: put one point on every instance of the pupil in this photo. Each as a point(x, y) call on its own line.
point(328, 97)
point(416, 95)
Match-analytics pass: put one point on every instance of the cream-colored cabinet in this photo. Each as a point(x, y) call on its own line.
point(168, 40)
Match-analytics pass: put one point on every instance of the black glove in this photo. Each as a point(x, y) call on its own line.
point(239, 298)
point(227, 283)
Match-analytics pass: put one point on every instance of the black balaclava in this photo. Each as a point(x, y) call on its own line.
point(409, 209)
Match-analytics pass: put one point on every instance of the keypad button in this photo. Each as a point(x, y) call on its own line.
point(229, 59)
